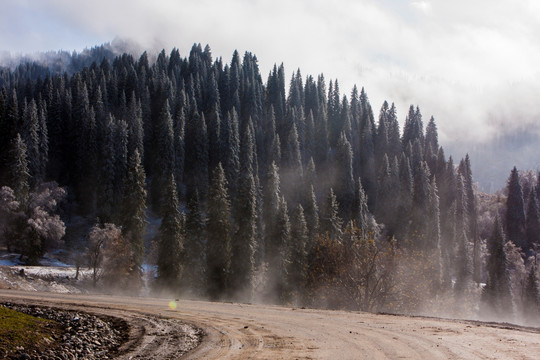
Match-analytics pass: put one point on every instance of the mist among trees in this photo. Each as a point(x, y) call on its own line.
point(287, 190)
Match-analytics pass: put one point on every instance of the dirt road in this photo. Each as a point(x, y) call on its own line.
point(241, 331)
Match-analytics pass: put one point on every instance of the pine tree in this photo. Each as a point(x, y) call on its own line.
point(531, 298)
point(244, 241)
point(218, 232)
point(133, 214)
point(497, 295)
point(472, 216)
point(271, 201)
point(331, 223)
point(170, 240)
point(405, 197)
point(121, 161)
point(299, 243)
point(18, 169)
point(420, 207)
point(515, 213)
point(196, 160)
point(532, 225)
point(278, 269)
point(361, 215)
point(43, 135)
point(230, 155)
point(105, 196)
point(312, 216)
point(163, 165)
point(463, 265)
point(344, 176)
point(31, 139)
point(194, 247)
point(434, 231)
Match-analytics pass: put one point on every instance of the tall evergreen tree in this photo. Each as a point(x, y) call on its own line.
point(299, 247)
point(497, 295)
point(196, 160)
point(105, 196)
point(532, 225)
point(344, 183)
point(515, 213)
point(420, 207)
point(230, 155)
point(31, 139)
point(361, 215)
point(331, 223)
point(163, 165)
point(43, 135)
point(19, 175)
point(312, 216)
point(194, 247)
point(218, 232)
point(170, 240)
point(133, 214)
point(531, 297)
point(244, 241)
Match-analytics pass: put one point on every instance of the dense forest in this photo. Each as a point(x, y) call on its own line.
point(258, 191)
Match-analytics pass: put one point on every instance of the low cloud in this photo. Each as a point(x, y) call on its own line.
point(472, 65)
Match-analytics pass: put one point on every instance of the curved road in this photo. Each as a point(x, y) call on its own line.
point(243, 331)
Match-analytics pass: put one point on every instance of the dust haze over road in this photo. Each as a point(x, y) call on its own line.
point(245, 331)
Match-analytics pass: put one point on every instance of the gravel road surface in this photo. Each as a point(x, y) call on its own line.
point(244, 331)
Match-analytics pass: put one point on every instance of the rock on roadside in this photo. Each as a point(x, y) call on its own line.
point(85, 336)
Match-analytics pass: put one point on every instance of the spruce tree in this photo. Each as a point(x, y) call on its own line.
point(19, 175)
point(497, 295)
point(163, 165)
point(515, 213)
point(532, 225)
point(31, 139)
point(230, 154)
point(420, 207)
point(361, 215)
point(299, 247)
point(344, 176)
point(472, 216)
point(218, 232)
point(43, 135)
point(245, 215)
point(312, 216)
point(196, 160)
point(133, 214)
point(531, 298)
point(105, 196)
point(331, 223)
point(194, 247)
point(271, 201)
point(170, 240)
point(278, 268)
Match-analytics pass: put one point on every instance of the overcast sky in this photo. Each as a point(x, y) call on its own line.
point(472, 64)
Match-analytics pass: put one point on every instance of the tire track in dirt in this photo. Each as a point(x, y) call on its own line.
point(244, 331)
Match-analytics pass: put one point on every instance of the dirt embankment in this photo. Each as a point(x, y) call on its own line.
point(242, 331)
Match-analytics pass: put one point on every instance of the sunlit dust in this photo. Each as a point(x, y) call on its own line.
point(172, 305)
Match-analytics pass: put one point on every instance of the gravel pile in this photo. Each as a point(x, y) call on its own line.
point(85, 336)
